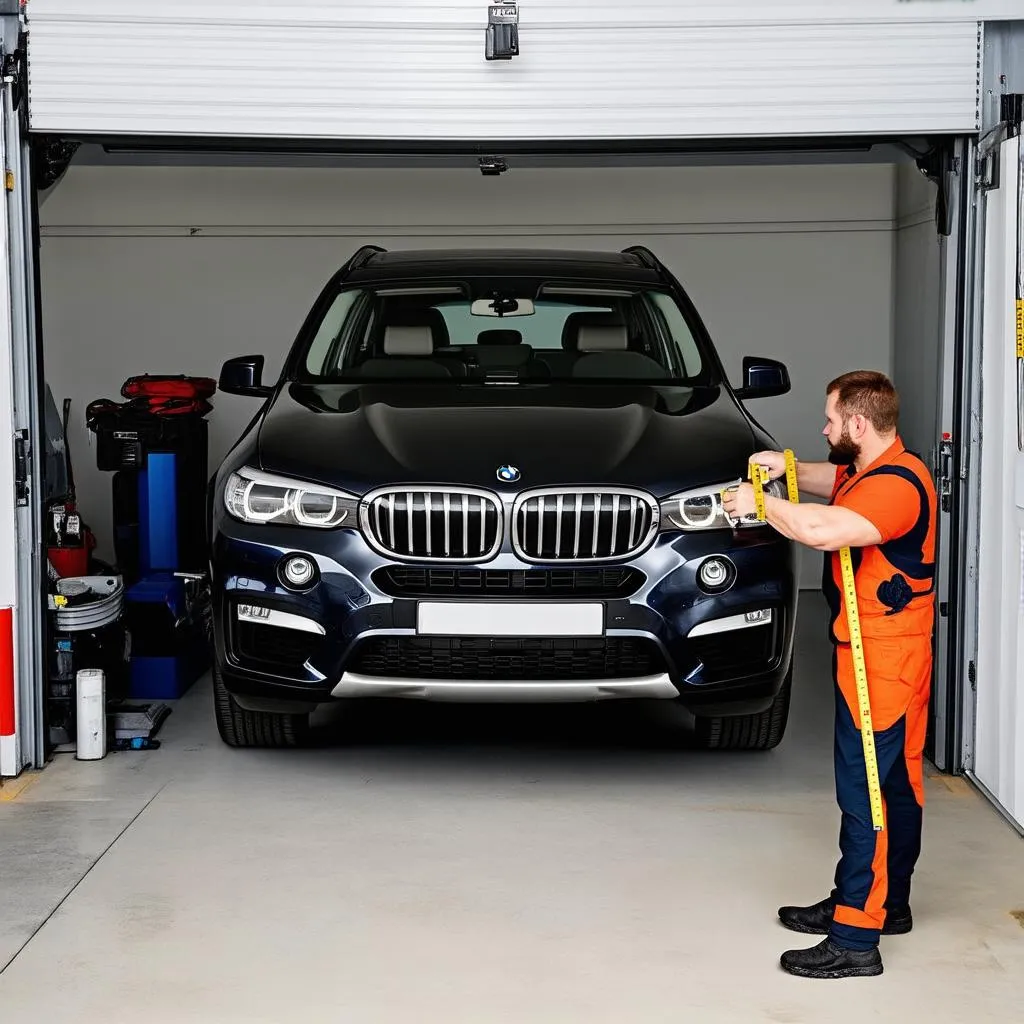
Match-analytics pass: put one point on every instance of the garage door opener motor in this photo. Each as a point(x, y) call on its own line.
point(502, 40)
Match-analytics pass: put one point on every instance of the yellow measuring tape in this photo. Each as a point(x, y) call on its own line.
point(758, 478)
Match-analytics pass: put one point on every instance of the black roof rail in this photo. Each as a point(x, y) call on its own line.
point(646, 257)
point(361, 257)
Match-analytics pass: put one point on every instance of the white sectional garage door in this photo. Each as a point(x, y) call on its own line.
point(588, 69)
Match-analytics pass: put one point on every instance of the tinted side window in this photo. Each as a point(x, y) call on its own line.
point(321, 357)
point(679, 331)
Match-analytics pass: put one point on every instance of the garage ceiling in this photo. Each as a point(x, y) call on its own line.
point(416, 71)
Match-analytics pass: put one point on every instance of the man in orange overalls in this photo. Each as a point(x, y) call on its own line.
point(882, 506)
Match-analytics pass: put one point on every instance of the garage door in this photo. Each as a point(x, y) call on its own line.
point(416, 70)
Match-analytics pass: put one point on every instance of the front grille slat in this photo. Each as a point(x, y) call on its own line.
point(447, 525)
point(408, 516)
point(587, 525)
point(559, 508)
point(429, 516)
point(578, 501)
point(540, 529)
point(438, 525)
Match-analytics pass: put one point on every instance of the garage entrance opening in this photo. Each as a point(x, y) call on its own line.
point(826, 262)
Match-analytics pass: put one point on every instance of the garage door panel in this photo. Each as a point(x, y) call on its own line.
point(417, 72)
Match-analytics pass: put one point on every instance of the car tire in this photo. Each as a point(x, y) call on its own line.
point(762, 731)
point(239, 727)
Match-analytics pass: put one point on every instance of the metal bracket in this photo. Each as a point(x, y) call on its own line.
point(938, 166)
point(986, 168)
point(945, 473)
point(52, 157)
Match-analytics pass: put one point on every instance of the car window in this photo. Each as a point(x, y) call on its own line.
point(679, 331)
point(542, 329)
point(454, 332)
point(327, 339)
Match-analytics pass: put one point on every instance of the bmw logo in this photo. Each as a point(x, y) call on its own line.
point(508, 474)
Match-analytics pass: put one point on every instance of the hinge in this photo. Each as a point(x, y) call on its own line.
point(12, 73)
point(22, 466)
point(1011, 111)
point(10, 67)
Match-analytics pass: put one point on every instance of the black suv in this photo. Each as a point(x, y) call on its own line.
point(496, 476)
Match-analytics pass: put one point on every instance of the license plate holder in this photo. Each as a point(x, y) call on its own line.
point(522, 619)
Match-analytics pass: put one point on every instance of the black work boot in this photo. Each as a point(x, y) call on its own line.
point(816, 920)
point(827, 960)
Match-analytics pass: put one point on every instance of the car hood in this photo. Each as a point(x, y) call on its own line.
point(357, 437)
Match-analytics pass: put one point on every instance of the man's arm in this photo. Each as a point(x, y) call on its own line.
point(817, 478)
point(823, 527)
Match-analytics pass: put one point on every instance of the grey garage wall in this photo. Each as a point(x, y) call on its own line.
point(168, 270)
point(917, 320)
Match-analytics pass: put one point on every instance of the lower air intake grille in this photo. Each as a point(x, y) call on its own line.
point(738, 650)
point(493, 658)
point(271, 648)
point(410, 581)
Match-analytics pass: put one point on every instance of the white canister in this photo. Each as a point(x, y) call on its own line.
point(92, 717)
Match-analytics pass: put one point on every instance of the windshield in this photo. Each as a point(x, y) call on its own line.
point(513, 335)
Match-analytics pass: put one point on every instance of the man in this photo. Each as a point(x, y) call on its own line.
point(882, 506)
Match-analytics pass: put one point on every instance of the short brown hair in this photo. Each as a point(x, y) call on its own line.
point(870, 394)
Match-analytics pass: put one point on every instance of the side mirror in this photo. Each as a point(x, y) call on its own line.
point(763, 378)
point(244, 376)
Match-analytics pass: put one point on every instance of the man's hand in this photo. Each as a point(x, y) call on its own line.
point(739, 501)
point(774, 462)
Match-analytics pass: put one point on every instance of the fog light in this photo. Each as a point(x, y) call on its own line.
point(716, 574)
point(298, 572)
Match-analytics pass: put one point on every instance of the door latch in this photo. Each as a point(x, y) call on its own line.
point(502, 32)
point(22, 466)
point(945, 471)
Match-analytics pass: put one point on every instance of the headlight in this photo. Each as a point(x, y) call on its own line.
point(256, 497)
point(702, 509)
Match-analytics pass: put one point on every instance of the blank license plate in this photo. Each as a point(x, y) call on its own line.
point(452, 619)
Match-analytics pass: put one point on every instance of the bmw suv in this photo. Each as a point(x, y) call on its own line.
point(497, 476)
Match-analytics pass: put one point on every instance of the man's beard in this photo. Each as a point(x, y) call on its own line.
point(845, 451)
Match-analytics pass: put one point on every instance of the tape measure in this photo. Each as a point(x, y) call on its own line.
point(758, 478)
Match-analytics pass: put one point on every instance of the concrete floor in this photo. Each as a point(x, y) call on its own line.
point(466, 865)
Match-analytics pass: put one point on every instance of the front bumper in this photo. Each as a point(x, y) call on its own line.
point(358, 632)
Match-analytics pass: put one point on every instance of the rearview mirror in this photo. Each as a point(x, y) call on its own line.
point(502, 306)
point(763, 378)
point(244, 376)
